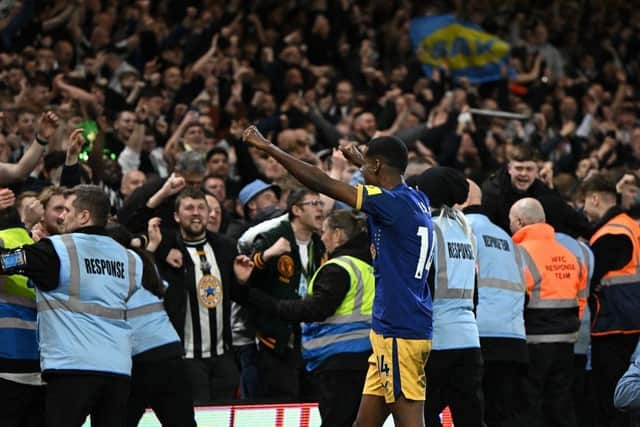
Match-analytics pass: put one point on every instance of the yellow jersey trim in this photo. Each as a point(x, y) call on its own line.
point(359, 196)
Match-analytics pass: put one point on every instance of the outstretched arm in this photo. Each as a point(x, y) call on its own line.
point(310, 176)
point(12, 172)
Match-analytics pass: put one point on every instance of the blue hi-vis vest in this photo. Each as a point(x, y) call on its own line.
point(501, 286)
point(454, 324)
point(82, 323)
point(347, 330)
point(150, 324)
point(584, 255)
point(17, 307)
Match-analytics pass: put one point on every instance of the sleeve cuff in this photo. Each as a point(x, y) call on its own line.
point(359, 196)
point(258, 261)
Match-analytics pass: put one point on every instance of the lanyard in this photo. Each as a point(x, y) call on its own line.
point(307, 270)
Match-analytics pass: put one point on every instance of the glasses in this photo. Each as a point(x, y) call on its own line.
point(314, 203)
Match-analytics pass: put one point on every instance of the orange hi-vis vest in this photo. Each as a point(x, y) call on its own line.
point(615, 306)
point(554, 284)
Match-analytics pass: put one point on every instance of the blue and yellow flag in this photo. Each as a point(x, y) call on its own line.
point(463, 47)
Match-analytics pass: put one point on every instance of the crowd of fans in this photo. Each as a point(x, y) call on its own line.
point(171, 86)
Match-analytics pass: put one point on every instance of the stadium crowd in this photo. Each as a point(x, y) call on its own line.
point(268, 284)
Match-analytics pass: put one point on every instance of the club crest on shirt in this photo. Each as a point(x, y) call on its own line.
point(209, 291)
point(285, 266)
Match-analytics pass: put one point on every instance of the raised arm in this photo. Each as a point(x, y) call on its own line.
point(10, 172)
point(310, 176)
point(59, 19)
point(129, 158)
point(72, 91)
point(200, 65)
point(71, 175)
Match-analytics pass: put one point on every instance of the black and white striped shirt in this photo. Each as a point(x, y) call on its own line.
point(203, 328)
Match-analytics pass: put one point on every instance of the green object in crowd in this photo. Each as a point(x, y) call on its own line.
point(89, 133)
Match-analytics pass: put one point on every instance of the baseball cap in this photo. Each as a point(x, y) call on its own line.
point(252, 189)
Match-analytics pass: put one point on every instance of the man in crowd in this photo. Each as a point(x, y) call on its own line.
point(517, 180)
point(500, 314)
point(615, 293)
point(157, 197)
point(455, 363)
point(286, 258)
point(88, 373)
point(552, 317)
point(52, 200)
point(257, 199)
point(199, 296)
point(20, 381)
point(402, 335)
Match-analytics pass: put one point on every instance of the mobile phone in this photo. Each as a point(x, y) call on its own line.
point(13, 259)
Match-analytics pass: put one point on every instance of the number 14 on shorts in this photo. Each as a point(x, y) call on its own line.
point(383, 368)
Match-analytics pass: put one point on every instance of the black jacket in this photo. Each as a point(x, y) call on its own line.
point(280, 277)
point(43, 263)
point(135, 214)
point(182, 282)
point(610, 252)
point(330, 286)
point(498, 195)
point(43, 268)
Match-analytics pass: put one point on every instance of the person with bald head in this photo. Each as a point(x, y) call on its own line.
point(553, 277)
point(130, 181)
point(499, 313)
point(566, 234)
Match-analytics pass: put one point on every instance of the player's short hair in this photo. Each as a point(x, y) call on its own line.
point(391, 150)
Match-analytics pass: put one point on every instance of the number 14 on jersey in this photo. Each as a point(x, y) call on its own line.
point(426, 255)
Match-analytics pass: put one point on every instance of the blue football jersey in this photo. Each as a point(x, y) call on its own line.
point(402, 239)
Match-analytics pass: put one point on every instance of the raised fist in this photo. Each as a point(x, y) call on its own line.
point(253, 137)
